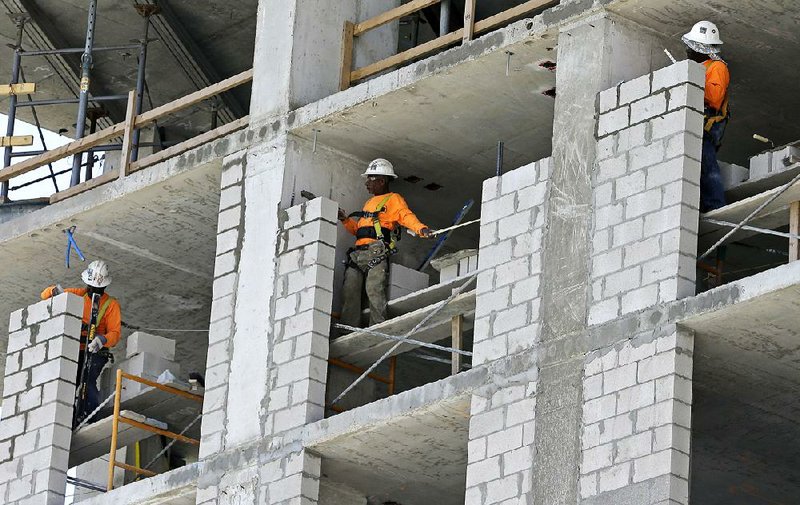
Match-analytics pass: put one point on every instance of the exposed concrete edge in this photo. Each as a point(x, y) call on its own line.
point(450, 389)
point(542, 26)
point(173, 484)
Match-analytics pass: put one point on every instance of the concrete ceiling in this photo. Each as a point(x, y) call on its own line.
point(160, 245)
point(746, 412)
point(220, 32)
point(415, 459)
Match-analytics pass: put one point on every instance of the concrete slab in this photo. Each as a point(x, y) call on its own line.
point(94, 440)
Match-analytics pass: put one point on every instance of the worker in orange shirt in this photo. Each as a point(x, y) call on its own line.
point(107, 333)
point(374, 228)
point(703, 45)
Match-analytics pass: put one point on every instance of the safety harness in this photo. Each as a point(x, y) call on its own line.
point(377, 232)
point(100, 314)
point(714, 116)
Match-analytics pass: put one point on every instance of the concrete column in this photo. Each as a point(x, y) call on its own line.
point(36, 426)
point(593, 54)
point(298, 50)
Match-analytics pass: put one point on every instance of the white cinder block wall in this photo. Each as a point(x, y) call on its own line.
point(647, 191)
point(38, 396)
point(501, 429)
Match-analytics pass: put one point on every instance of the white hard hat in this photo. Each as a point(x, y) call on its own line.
point(704, 32)
point(96, 275)
point(380, 167)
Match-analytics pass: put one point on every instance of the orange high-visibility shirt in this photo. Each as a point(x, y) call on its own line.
point(395, 212)
point(717, 80)
point(111, 324)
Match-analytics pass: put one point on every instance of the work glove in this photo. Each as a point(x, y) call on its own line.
point(57, 290)
point(97, 343)
point(342, 214)
point(425, 233)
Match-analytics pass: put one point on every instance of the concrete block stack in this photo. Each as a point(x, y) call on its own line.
point(404, 281)
point(147, 356)
point(637, 419)
point(457, 264)
point(38, 396)
point(501, 444)
point(303, 298)
point(646, 191)
point(220, 335)
point(512, 226)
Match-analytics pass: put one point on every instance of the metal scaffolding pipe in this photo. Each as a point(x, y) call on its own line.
point(73, 50)
point(444, 18)
point(140, 77)
point(61, 101)
point(12, 117)
point(86, 66)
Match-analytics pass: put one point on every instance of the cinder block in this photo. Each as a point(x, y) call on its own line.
point(225, 285)
point(51, 481)
point(491, 189)
point(148, 366)
point(227, 241)
point(588, 485)
point(53, 370)
point(634, 447)
point(611, 168)
point(232, 174)
point(497, 209)
point(11, 427)
point(603, 311)
point(514, 225)
point(629, 185)
point(639, 299)
point(608, 216)
point(58, 391)
point(608, 99)
point(317, 299)
point(15, 321)
point(67, 303)
point(532, 196)
point(646, 155)
point(13, 384)
point(629, 231)
point(19, 340)
point(8, 407)
point(599, 408)
point(319, 254)
point(502, 489)
point(517, 179)
point(614, 478)
point(613, 121)
point(686, 95)
point(679, 73)
point(230, 218)
point(18, 489)
point(63, 325)
point(483, 471)
point(634, 89)
point(38, 312)
point(648, 107)
point(229, 197)
point(310, 233)
point(224, 264)
point(732, 174)
point(322, 208)
point(619, 378)
point(673, 122)
point(615, 428)
point(13, 363)
point(596, 458)
point(29, 399)
point(651, 466)
point(64, 347)
point(50, 413)
point(406, 278)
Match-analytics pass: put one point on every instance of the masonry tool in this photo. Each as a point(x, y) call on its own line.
point(454, 227)
point(71, 243)
point(669, 55)
point(445, 234)
point(308, 195)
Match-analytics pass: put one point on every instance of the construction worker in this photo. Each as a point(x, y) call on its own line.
point(107, 334)
point(375, 228)
point(703, 45)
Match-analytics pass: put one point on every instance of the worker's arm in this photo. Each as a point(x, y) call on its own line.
point(113, 320)
point(405, 216)
point(48, 292)
point(349, 223)
point(717, 80)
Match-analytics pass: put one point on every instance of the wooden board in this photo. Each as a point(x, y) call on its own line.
point(362, 349)
point(94, 440)
point(347, 56)
point(469, 20)
point(423, 297)
point(391, 15)
point(127, 135)
point(22, 88)
point(17, 140)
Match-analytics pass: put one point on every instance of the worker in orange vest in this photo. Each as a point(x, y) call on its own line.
point(375, 228)
point(107, 333)
point(703, 45)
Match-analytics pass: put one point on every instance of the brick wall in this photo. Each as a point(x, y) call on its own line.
point(646, 191)
point(637, 419)
point(510, 260)
point(36, 425)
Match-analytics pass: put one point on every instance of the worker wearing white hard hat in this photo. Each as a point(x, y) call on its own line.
point(104, 334)
point(376, 227)
point(704, 45)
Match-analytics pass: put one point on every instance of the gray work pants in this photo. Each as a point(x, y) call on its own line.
point(374, 284)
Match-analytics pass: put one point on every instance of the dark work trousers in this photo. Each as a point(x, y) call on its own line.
point(85, 407)
point(356, 281)
point(712, 193)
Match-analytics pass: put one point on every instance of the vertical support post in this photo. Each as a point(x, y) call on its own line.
point(112, 456)
point(12, 117)
point(499, 167)
point(457, 327)
point(347, 55)
point(794, 229)
point(140, 78)
point(469, 20)
point(94, 114)
point(392, 370)
point(86, 66)
point(127, 139)
point(444, 18)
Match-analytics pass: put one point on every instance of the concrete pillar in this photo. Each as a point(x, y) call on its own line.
point(36, 426)
point(298, 50)
point(593, 54)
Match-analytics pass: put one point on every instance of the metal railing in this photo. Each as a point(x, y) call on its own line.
point(446, 37)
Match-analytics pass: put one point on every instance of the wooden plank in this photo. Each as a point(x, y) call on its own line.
point(159, 431)
point(135, 469)
point(16, 140)
point(61, 152)
point(22, 88)
point(391, 15)
point(469, 20)
point(127, 135)
point(107, 177)
point(347, 55)
point(150, 116)
point(457, 331)
point(408, 55)
point(93, 440)
point(794, 229)
point(190, 144)
point(505, 17)
point(422, 298)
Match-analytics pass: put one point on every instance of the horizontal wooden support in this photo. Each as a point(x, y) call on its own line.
point(159, 431)
point(391, 15)
point(22, 88)
point(504, 17)
point(18, 140)
point(134, 469)
point(163, 387)
point(107, 177)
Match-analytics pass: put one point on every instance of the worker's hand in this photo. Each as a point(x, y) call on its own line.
point(425, 233)
point(57, 290)
point(342, 214)
point(97, 343)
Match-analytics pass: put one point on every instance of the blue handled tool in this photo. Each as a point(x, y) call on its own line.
point(70, 244)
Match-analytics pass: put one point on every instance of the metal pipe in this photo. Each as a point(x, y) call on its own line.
point(415, 29)
point(765, 231)
point(90, 153)
point(140, 77)
point(12, 117)
point(499, 167)
point(444, 18)
point(60, 101)
point(73, 50)
point(40, 179)
point(86, 66)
